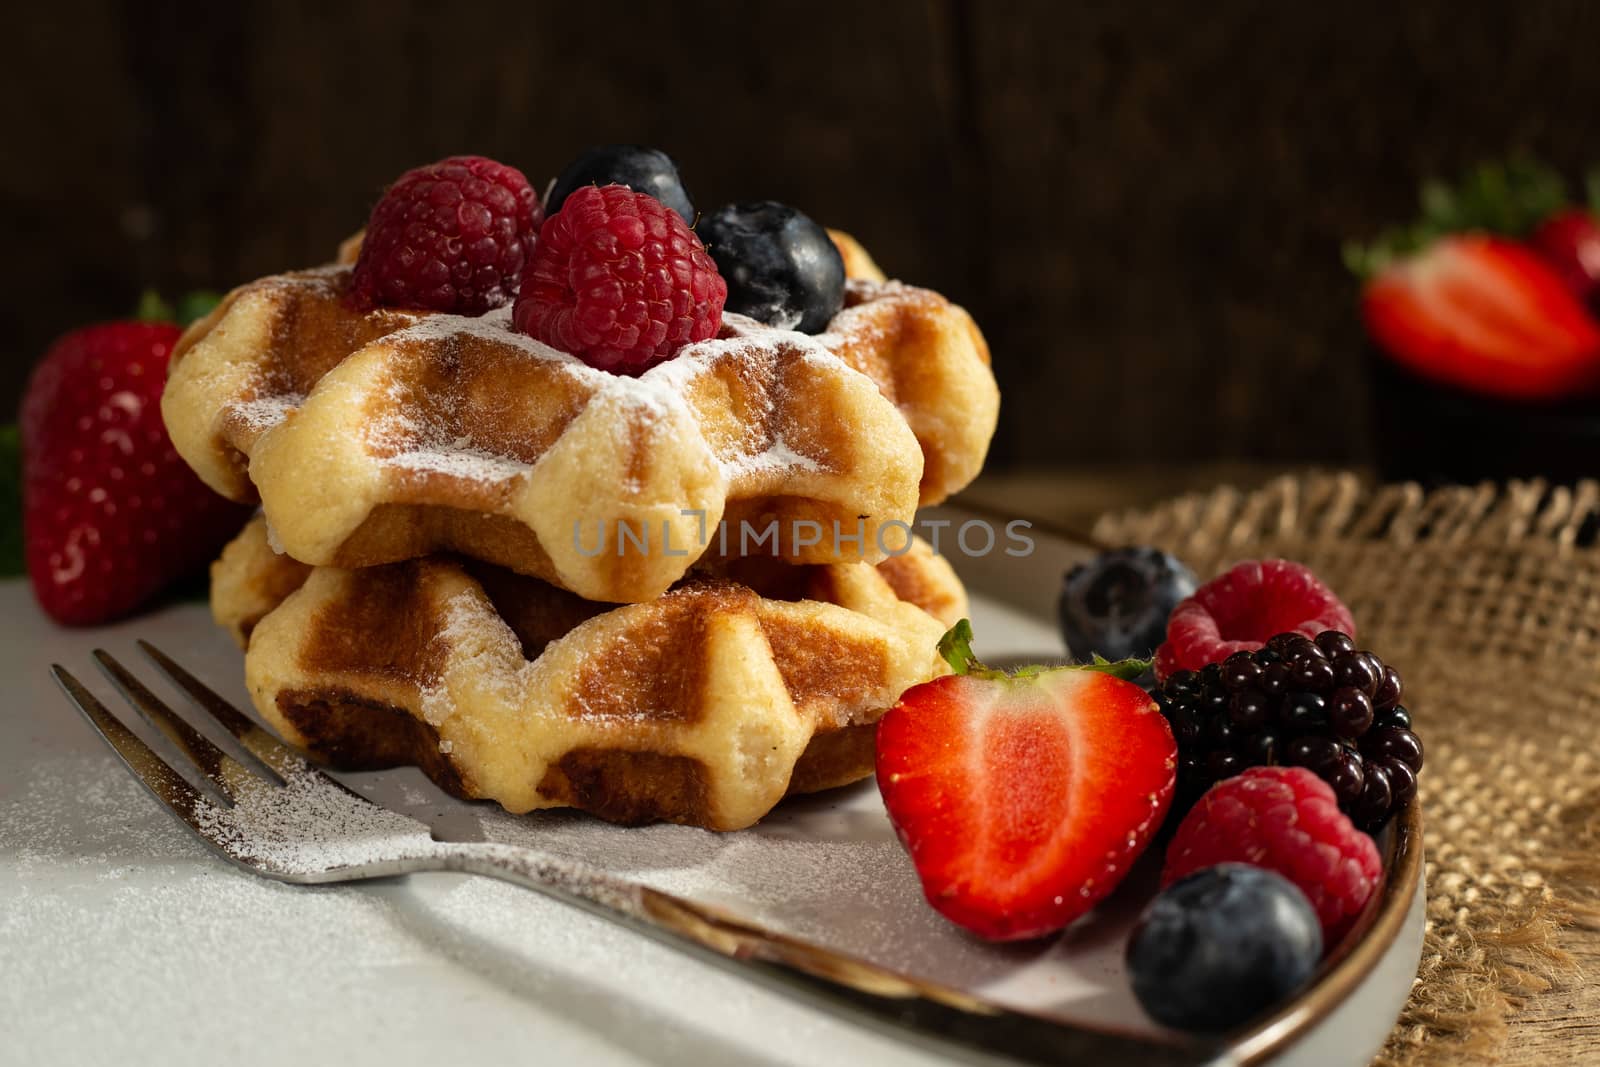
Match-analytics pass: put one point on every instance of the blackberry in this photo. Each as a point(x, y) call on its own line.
point(1321, 704)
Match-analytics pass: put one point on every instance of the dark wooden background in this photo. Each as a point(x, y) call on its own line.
point(1141, 203)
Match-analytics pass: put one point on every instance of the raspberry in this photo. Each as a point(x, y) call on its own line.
point(1239, 610)
point(620, 281)
point(1283, 819)
point(451, 236)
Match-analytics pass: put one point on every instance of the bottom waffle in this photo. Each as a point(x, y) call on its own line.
point(705, 706)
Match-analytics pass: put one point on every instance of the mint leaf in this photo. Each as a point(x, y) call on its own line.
point(1592, 183)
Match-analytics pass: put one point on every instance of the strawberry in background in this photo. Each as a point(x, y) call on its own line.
point(1486, 292)
point(1570, 242)
point(111, 515)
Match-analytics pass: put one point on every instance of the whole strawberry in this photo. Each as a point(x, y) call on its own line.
point(111, 515)
point(1024, 798)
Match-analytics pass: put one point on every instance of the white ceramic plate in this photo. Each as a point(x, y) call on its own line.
point(120, 934)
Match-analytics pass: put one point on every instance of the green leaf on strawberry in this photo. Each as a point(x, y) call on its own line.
point(191, 306)
point(1509, 199)
point(196, 305)
point(955, 648)
point(153, 307)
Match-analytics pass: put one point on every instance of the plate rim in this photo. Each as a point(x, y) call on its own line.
point(1358, 955)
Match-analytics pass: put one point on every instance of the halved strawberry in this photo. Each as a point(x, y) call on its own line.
point(1024, 798)
point(1486, 314)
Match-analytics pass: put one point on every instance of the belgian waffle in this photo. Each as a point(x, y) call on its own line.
point(705, 706)
point(858, 264)
point(381, 436)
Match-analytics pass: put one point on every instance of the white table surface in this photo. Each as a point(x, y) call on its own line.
point(122, 937)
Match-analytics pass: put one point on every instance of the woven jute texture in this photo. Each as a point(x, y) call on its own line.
point(1487, 600)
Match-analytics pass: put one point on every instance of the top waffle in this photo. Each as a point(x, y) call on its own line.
point(386, 435)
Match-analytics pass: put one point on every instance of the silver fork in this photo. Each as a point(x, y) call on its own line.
point(269, 811)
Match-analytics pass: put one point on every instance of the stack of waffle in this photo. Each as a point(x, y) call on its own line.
point(674, 597)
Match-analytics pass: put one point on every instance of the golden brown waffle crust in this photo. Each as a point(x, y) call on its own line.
point(858, 263)
point(704, 707)
point(370, 438)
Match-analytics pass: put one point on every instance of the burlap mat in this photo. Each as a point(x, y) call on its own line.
point(1488, 602)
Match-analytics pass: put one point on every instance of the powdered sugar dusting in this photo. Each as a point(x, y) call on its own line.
point(494, 326)
point(274, 542)
point(483, 651)
point(263, 413)
point(826, 869)
point(460, 459)
point(432, 435)
point(310, 827)
point(777, 457)
point(853, 325)
point(306, 827)
point(124, 932)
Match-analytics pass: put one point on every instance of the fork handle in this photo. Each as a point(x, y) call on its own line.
point(930, 1014)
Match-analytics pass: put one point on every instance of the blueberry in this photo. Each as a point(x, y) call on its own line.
point(781, 268)
point(1221, 946)
point(1117, 604)
point(644, 170)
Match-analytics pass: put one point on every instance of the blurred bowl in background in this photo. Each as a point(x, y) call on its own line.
point(1433, 434)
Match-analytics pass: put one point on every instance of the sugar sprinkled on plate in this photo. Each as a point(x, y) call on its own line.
point(109, 904)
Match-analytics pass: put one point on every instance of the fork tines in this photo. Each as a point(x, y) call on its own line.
point(259, 755)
